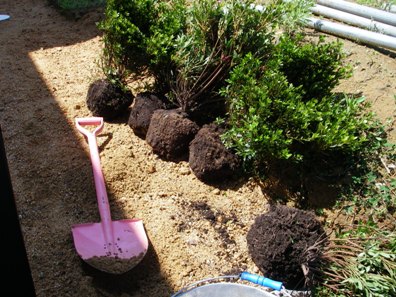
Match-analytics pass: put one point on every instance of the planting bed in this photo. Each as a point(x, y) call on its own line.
point(195, 230)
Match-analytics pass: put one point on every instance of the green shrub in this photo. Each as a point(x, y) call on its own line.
point(316, 67)
point(218, 35)
point(163, 33)
point(190, 46)
point(139, 37)
point(126, 28)
point(255, 130)
point(277, 88)
point(270, 117)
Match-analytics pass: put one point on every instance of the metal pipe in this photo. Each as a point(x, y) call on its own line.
point(354, 20)
point(356, 34)
point(361, 10)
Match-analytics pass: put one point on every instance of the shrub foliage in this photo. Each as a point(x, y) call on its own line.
point(280, 109)
point(277, 87)
point(139, 38)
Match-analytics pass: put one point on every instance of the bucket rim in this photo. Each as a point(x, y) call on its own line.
point(220, 284)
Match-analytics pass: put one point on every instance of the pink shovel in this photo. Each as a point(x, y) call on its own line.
point(110, 246)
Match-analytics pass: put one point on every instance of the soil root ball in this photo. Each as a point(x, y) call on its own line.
point(142, 110)
point(107, 100)
point(209, 159)
point(279, 240)
point(170, 133)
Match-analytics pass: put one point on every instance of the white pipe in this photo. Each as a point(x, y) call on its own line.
point(353, 33)
point(354, 20)
point(389, 7)
point(361, 10)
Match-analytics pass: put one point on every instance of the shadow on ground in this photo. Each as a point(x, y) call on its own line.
point(50, 171)
point(137, 282)
point(286, 181)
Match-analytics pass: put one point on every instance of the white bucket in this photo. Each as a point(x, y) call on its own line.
point(224, 290)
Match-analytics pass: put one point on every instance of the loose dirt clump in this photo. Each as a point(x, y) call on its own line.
point(142, 110)
point(278, 242)
point(114, 265)
point(170, 133)
point(209, 159)
point(107, 100)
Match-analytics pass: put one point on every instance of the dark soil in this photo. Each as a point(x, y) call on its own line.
point(170, 133)
point(209, 159)
point(107, 100)
point(296, 182)
point(142, 110)
point(278, 243)
point(114, 265)
point(207, 113)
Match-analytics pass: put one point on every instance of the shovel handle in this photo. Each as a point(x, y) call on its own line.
point(100, 186)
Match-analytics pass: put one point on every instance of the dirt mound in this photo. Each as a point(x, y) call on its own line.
point(142, 110)
point(209, 159)
point(170, 133)
point(107, 100)
point(278, 243)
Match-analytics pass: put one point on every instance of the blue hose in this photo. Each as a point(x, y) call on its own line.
point(261, 280)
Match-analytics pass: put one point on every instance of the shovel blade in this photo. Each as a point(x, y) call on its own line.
point(117, 256)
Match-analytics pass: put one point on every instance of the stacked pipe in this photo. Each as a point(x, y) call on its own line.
point(382, 24)
point(389, 7)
